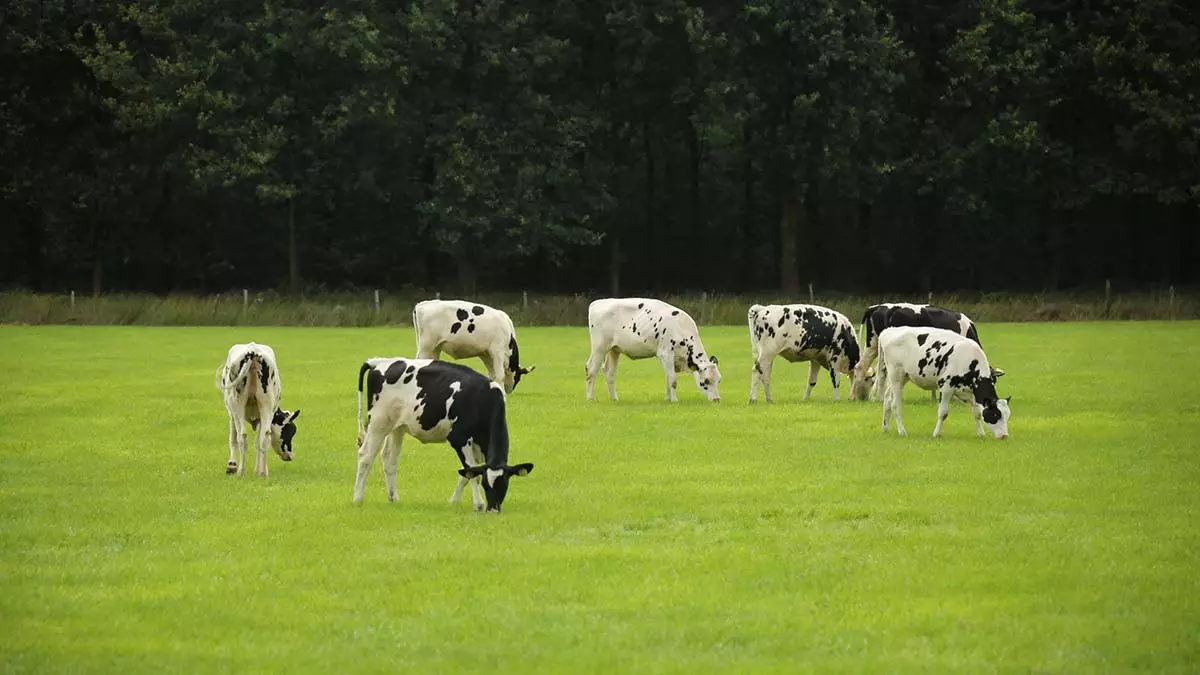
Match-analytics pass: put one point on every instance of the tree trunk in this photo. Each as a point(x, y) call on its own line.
point(749, 279)
point(789, 214)
point(651, 263)
point(293, 255)
point(467, 274)
point(614, 264)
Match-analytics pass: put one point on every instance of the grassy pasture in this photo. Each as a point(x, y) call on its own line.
point(651, 537)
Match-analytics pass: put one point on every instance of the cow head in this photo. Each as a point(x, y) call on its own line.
point(707, 376)
point(514, 371)
point(996, 414)
point(862, 381)
point(495, 481)
point(283, 429)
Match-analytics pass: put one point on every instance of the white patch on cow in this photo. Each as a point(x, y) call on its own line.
point(493, 475)
point(643, 328)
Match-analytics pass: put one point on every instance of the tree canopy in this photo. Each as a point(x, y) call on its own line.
point(616, 147)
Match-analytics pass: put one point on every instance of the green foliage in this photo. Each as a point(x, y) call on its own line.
point(651, 537)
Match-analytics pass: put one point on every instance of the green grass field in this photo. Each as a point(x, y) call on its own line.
point(651, 537)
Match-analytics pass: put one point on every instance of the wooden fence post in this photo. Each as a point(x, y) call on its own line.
point(525, 300)
point(245, 301)
point(811, 298)
point(929, 298)
point(72, 299)
point(1107, 296)
point(1171, 300)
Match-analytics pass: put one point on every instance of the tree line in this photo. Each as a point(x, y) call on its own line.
point(620, 146)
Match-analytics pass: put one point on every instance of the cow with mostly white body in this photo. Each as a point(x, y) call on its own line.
point(252, 389)
point(465, 330)
point(643, 328)
point(435, 401)
point(823, 337)
point(941, 361)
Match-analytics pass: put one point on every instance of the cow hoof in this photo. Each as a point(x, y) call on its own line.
point(231, 468)
point(479, 508)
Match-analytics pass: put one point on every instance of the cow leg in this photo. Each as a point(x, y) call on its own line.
point(835, 378)
point(762, 372)
point(593, 368)
point(366, 457)
point(610, 372)
point(234, 443)
point(893, 400)
point(943, 413)
point(667, 359)
point(814, 369)
point(456, 496)
point(263, 441)
point(391, 462)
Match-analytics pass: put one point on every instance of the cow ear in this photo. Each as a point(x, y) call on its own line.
point(1008, 399)
point(997, 373)
point(293, 416)
point(530, 369)
point(519, 469)
point(713, 358)
point(469, 472)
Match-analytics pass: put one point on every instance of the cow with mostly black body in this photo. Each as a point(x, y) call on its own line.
point(942, 361)
point(252, 389)
point(465, 330)
point(643, 328)
point(435, 401)
point(823, 337)
point(885, 315)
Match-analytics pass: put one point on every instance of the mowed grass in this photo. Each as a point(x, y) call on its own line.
point(652, 537)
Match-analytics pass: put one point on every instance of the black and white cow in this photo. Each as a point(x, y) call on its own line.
point(465, 330)
point(252, 390)
point(435, 401)
point(943, 361)
point(642, 328)
point(889, 314)
point(819, 335)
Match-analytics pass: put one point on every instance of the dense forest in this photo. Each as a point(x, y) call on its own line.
point(609, 147)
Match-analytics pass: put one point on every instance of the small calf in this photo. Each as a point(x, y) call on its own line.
point(942, 361)
point(435, 401)
point(252, 390)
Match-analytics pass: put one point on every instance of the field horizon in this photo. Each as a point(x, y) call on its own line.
point(651, 537)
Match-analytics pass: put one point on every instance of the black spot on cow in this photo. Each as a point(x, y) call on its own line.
point(264, 374)
point(408, 376)
point(675, 313)
point(395, 371)
point(461, 314)
point(942, 360)
point(921, 338)
point(921, 365)
point(471, 327)
point(818, 332)
point(477, 310)
point(374, 383)
point(782, 319)
point(641, 305)
point(991, 414)
point(454, 328)
point(409, 369)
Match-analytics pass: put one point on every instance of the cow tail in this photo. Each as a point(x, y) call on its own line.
point(246, 365)
point(361, 371)
point(866, 327)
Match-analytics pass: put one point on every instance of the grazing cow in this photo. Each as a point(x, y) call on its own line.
point(641, 328)
point(435, 401)
point(944, 361)
point(250, 382)
point(810, 333)
point(467, 329)
point(889, 314)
